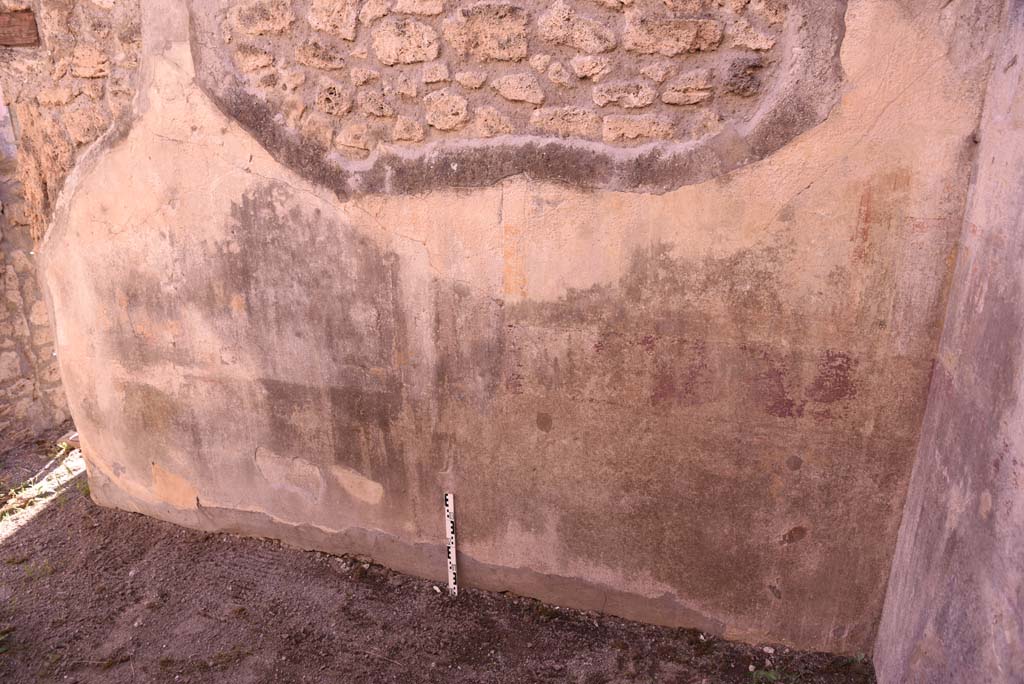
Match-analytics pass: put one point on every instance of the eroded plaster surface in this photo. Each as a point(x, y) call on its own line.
point(697, 407)
point(955, 605)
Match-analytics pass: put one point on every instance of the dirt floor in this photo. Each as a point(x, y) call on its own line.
point(89, 594)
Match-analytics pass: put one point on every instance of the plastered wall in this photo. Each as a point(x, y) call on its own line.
point(682, 383)
point(954, 611)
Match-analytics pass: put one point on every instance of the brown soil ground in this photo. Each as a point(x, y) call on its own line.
point(89, 594)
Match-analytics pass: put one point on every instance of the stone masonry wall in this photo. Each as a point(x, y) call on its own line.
point(31, 397)
point(58, 97)
point(641, 94)
point(66, 93)
point(411, 70)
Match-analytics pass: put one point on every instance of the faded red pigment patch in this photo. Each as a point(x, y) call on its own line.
point(880, 204)
point(768, 386)
point(834, 381)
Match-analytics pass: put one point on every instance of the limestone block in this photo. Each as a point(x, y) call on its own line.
point(489, 31)
point(564, 26)
point(446, 111)
point(404, 41)
point(522, 87)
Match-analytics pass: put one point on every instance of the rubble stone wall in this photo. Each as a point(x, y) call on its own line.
point(415, 70)
point(406, 95)
point(58, 97)
point(31, 396)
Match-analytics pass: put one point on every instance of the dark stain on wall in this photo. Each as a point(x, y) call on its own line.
point(672, 424)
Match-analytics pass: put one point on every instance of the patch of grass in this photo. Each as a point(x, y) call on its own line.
point(759, 676)
point(545, 612)
point(34, 571)
point(5, 640)
point(225, 659)
point(114, 660)
point(221, 660)
point(82, 485)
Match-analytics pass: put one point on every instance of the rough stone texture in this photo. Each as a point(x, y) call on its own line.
point(669, 35)
point(567, 121)
point(689, 89)
point(330, 16)
point(471, 79)
point(616, 128)
point(763, 94)
point(489, 122)
point(693, 406)
point(489, 32)
point(954, 611)
point(62, 95)
point(404, 41)
point(314, 54)
point(446, 111)
point(563, 26)
point(558, 75)
point(31, 398)
point(589, 66)
point(407, 129)
point(263, 17)
point(424, 7)
point(625, 94)
point(519, 88)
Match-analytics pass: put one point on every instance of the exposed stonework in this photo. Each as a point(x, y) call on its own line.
point(66, 93)
point(407, 130)
point(489, 122)
point(329, 16)
point(588, 66)
point(520, 88)
point(567, 121)
point(446, 111)
point(62, 96)
point(31, 396)
point(561, 25)
point(616, 128)
point(689, 89)
point(404, 41)
point(628, 95)
point(489, 32)
point(669, 35)
point(576, 54)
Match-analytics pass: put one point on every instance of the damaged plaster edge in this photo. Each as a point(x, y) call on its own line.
point(116, 133)
point(165, 32)
point(423, 559)
point(803, 101)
